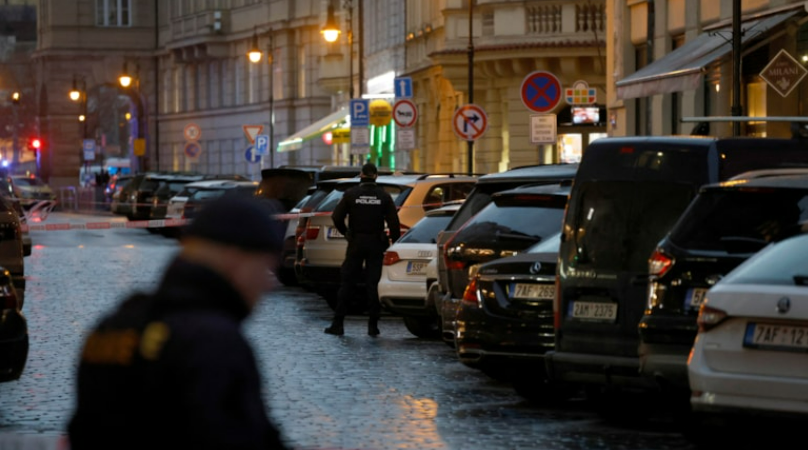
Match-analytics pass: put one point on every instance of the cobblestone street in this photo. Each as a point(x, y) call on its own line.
point(325, 392)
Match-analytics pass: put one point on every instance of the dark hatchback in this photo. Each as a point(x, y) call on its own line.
point(723, 226)
point(513, 221)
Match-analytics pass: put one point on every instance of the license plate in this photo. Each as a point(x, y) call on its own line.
point(695, 297)
point(527, 290)
point(334, 233)
point(593, 310)
point(776, 337)
point(416, 268)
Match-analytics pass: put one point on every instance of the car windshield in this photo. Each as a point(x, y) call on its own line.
point(740, 221)
point(779, 264)
point(332, 199)
point(29, 182)
point(426, 230)
point(548, 245)
point(600, 239)
point(517, 218)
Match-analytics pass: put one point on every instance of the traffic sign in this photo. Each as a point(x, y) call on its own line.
point(783, 73)
point(251, 131)
point(252, 155)
point(192, 149)
point(405, 113)
point(89, 149)
point(262, 144)
point(543, 128)
point(360, 112)
point(541, 91)
point(403, 87)
point(470, 122)
point(405, 139)
point(192, 132)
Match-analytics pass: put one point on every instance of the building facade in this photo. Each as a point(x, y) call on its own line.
point(672, 66)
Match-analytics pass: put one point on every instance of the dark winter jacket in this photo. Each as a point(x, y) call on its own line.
point(368, 206)
point(172, 370)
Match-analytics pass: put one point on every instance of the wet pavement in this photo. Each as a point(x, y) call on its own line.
point(324, 392)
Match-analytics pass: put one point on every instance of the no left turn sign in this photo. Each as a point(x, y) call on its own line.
point(470, 122)
point(405, 113)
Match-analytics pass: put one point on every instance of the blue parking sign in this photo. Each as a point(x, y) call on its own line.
point(262, 144)
point(360, 112)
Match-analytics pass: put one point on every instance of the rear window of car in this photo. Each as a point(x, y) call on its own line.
point(206, 194)
point(477, 199)
point(740, 220)
point(615, 225)
point(780, 264)
point(522, 218)
point(426, 230)
point(332, 199)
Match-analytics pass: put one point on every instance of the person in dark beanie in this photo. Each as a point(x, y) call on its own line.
point(171, 369)
point(368, 207)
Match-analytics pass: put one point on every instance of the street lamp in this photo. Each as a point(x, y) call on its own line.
point(131, 84)
point(79, 93)
point(331, 33)
point(255, 57)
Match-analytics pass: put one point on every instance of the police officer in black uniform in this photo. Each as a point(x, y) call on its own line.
point(368, 207)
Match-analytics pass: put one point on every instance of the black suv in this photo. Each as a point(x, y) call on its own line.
point(514, 220)
point(723, 226)
point(440, 295)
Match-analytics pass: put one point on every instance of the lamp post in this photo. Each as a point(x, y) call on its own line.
point(131, 85)
point(79, 94)
point(470, 143)
point(15, 149)
point(331, 32)
point(255, 57)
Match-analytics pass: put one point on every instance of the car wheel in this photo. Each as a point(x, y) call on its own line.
point(423, 327)
point(287, 276)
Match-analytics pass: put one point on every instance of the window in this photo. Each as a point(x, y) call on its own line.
point(113, 13)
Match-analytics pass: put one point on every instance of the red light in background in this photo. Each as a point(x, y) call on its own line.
point(328, 137)
point(36, 144)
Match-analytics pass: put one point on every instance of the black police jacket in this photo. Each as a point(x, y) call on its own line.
point(172, 370)
point(368, 207)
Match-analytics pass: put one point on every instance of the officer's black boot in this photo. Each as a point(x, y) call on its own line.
point(373, 326)
point(336, 326)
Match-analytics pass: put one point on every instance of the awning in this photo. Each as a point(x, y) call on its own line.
point(333, 120)
point(682, 69)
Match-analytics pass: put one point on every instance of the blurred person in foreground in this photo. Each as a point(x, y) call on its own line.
point(171, 369)
point(368, 207)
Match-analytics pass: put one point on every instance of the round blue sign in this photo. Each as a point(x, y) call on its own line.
point(541, 91)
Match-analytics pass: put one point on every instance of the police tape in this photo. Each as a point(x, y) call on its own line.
point(106, 225)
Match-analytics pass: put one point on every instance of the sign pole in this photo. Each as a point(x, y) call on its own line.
point(470, 143)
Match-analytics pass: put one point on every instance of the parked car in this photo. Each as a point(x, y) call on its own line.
point(403, 285)
point(627, 195)
point(9, 198)
point(205, 191)
point(514, 220)
point(748, 365)
point(504, 323)
point(321, 249)
point(12, 253)
point(134, 199)
point(172, 186)
point(724, 225)
point(31, 189)
point(479, 197)
point(13, 331)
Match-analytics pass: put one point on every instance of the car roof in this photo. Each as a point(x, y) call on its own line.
point(411, 179)
point(562, 189)
point(219, 183)
point(445, 210)
point(528, 173)
point(782, 181)
point(776, 172)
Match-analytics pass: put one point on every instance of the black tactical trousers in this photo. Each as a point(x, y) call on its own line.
point(367, 250)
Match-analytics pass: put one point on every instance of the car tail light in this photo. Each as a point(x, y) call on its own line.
point(659, 263)
point(312, 232)
point(470, 296)
point(709, 318)
point(390, 258)
point(9, 297)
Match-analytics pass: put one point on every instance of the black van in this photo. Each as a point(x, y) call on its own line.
point(626, 196)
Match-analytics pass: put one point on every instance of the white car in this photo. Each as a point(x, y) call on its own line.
point(750, 358)
point(403, 285)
